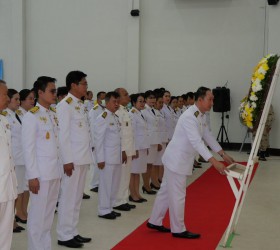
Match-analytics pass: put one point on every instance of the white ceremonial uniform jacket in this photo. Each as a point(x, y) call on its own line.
point(21, 112)
point(140, 129)
point(188, 140)
point(40, 144)
point(163, 132)
point(107, 137)
point(74, 131)
point(152, 121)
point(8, 182)
point(16, 137)
point(92, 115)
point(128, 142)
point(170, 120)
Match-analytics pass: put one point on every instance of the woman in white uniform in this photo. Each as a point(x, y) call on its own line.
point(17, 153)
point(139, 162)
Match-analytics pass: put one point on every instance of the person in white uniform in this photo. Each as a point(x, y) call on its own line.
point(8, 182)
point(188, 139)
point(128, 151)
point(41, 155)
point(155, 142)
point(107, 137)
point(76, 149)
point(15, 125)
point(142, 144)
point(98, 109)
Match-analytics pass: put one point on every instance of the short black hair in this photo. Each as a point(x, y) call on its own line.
point(23, 94)
point(173, 98)
point(201, 92)
point(111, 94)
point(42, 83)
point(99, 94)
point(185, 97)
point(149, 93)
point(134, 98)
point(62, 91)
point(159, 95)
point(74, 77)
point(11, 93)
point(190, 95)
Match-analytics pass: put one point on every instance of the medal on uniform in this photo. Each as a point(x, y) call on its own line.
point(47, 135)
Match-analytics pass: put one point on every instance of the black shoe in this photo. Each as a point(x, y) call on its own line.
point(94, 190)
point(196, 166)
point(116, 214)
point(148, 192)
point(20, 228)
point(158, 228)
point(81, 239)
point(130, 205)
point(201, 159)
point(16, 230)
point(122, 207)
point(154, 186)
point(266, 153)
point(262, 156)
point(20, 220)
point(86, 196)
point(109, 216)
point(137, 201)
point(186, 234)
point(70, 243)
point(143, 200)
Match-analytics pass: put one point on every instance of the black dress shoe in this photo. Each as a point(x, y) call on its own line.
point(158, 228)
point(143, 200)
point(196, 166)
point(154, 186)
point(116, 214)
point(109, 216)
point(122, 207)
point(70, 243)
point(20, 228)
point(86, 196)
point(94, 190)
point(130, 206)
point(186, 234)
point(20, 220)
point(16, 230)
point(137, 201)
point(147, 191)
point(81, 239)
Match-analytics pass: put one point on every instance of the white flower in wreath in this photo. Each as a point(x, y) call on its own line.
point(261, 70)
point(253, 98)
point(254, 105)
point(256, 87)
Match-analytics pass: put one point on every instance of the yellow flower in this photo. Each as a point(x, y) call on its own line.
point(265, 67)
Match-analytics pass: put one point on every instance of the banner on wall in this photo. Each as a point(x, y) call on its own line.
point(1, 69)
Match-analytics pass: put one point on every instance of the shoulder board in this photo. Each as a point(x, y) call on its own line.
point(34, 110)
point(4, 113)
point(133, 111)
point(196, 113)
point(69, 100)
point(53, 109)
point(95, 107)
point(104, 115)
point(18, 112)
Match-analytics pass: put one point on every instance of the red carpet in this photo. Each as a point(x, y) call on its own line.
point(209, 206)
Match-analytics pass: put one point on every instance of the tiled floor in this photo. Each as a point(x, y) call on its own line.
point(259, 224)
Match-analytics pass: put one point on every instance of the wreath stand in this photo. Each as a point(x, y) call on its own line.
point(244, 173)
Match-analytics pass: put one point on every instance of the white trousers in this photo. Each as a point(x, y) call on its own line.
point(70, 201)
point(95, 177)
point(172, 195)
point(122, 195)
point(40, 215)
point(109, 182)
point(6, 224)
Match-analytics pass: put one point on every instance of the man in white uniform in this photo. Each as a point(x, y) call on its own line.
point(76, 149)
point(93, 114)
point(8, 183)
point(42, 162)
point(107, 139)
point(128, 150)
point(188, 139)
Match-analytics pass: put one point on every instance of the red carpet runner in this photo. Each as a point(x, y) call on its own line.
point(209, 206)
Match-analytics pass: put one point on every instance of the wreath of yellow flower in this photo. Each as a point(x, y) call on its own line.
point(251, 105)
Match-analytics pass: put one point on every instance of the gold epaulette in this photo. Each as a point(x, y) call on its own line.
point(34, 110)
point(133, 111)
point(4, 113)
point(95, 107)
point(104, 115)
point(18, 112)
point(69, 100)
point(196, 113)
point(53, 109)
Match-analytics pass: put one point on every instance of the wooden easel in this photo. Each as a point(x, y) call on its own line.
point(243, 174)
